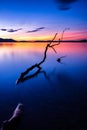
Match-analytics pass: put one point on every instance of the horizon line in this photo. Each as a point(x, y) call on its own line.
point(12, 40)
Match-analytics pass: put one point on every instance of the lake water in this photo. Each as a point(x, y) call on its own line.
point(59, 101)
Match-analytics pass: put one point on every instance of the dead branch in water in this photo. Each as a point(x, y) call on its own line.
point(23, 76)
point(46, 49)
point(37, 66)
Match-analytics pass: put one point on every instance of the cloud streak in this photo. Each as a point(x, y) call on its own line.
point(10, 30)
point(16, 30)
point(36, 30)
point(3, 29)
point(65, 4)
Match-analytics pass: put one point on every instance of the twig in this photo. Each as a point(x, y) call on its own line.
point(63, 33)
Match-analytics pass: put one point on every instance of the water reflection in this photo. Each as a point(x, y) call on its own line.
point(53, 103)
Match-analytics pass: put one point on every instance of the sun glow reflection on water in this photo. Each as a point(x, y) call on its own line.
point(45, 100)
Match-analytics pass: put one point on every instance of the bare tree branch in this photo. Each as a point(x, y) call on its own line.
point(45, 52)
point(23, 76)
point(63, 33)
point(54, 50)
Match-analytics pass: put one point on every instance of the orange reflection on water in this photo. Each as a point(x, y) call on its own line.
point(19, 49)
point(32, 48)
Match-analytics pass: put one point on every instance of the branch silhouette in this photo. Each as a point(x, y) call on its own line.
point(23, 77)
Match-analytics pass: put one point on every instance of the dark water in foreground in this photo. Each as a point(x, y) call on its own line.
point(61, 101)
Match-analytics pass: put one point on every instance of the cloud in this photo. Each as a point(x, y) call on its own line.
point(36, 30)
point(10, 30)
point(64, 4)
point(3, 29)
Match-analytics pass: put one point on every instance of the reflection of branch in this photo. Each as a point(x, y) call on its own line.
point(14, 121)
point(37, 66)
point(45, 74)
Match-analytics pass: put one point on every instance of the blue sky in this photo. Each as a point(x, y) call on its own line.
point(26, 16)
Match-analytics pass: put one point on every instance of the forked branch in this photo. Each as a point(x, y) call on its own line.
point(37, 66)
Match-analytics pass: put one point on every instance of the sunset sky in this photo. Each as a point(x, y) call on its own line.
point(41, 19)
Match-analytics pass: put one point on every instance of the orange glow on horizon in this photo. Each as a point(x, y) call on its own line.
point(34, 38)
point(69, 35)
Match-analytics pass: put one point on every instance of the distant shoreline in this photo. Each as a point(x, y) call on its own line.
point(12, 40)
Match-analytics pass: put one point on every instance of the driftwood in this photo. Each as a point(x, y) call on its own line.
point(37, 66)
point(14, 121)
point(23, 76)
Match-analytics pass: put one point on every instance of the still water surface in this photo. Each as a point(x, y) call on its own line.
point(57, 102)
